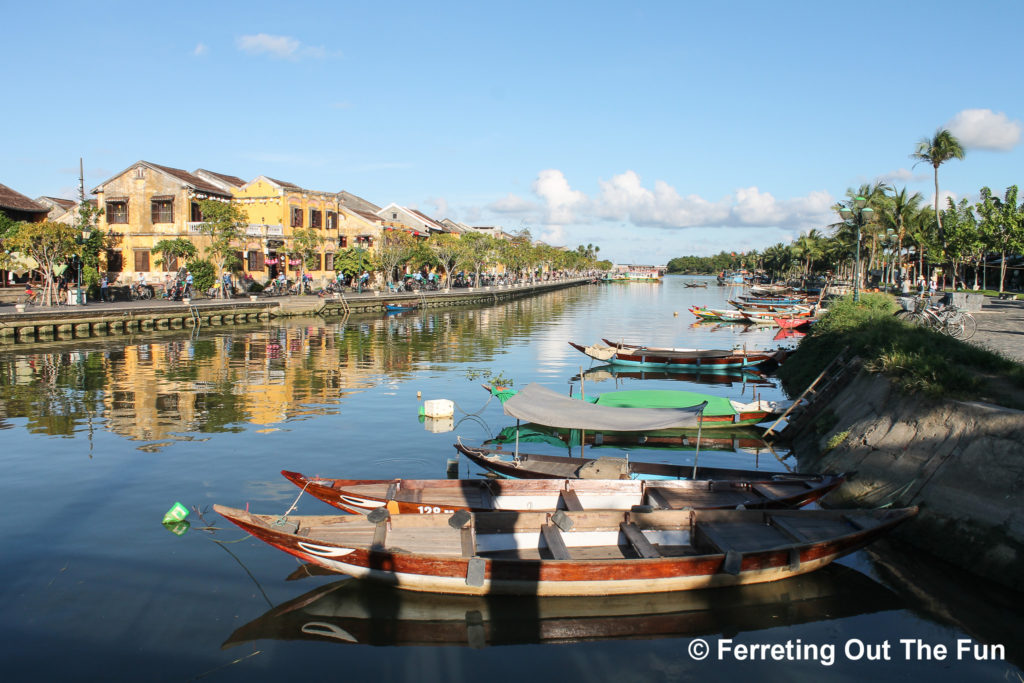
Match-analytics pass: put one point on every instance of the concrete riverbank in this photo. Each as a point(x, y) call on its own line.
point(97, 319)
point(962, 462)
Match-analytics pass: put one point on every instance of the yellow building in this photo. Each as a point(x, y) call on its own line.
point(276, 209)
point(147, 203)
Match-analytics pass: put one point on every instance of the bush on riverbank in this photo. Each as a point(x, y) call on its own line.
point(917, 359)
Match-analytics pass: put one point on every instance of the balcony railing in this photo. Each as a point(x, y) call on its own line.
point(195, 228)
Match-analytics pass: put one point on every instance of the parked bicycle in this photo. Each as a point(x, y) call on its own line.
point(944, 318)
point(140, 292)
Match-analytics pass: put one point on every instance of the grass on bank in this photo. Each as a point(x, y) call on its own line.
point(917, 359)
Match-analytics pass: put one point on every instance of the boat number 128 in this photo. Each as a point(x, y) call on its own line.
point(428, 509)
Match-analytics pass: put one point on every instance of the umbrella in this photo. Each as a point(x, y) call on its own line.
point(22, 263)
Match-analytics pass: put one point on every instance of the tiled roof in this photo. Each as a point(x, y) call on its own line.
point(356, 202)
point(425, 217)
point(372, 217)
point(283, 183)
point(229, 179)
point(61, 202)
point(190, 179)
point(9, 199)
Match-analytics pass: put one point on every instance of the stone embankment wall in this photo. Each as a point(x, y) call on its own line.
point(963, 463)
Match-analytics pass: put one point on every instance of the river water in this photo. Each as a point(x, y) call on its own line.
point(98, 438)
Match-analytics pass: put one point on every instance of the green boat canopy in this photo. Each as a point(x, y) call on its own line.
point(541, 405)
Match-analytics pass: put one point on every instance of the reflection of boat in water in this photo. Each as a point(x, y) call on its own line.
point(742, 438)
point(600, 373)
point(351, 611)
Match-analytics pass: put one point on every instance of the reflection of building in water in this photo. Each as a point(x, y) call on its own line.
point(173, 386)
point(158, 390)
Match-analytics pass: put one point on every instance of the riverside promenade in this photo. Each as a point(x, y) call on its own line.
point(1001, 328)
point(96, 319)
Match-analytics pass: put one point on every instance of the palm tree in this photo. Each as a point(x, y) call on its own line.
point(936, 151)
point(895, 213)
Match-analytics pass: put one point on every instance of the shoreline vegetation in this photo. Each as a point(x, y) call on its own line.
point(917, 360)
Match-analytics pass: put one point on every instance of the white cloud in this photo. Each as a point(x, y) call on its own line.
point(280, 47)
point(902, 175)
point(514, 205)
point(200, 50)
point(985, 129)
point(441, 208)
point(561, 200)
point(553, 235)
point(624, 198)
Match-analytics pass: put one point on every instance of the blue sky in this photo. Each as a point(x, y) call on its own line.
point(654, 130)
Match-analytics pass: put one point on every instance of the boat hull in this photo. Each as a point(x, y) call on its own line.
point(759, 560)
point(433, 496)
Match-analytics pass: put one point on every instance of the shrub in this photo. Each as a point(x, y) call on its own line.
point(204, 275)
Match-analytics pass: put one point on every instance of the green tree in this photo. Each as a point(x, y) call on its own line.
point(179, 249)
point(395, 249)
point(895, 212)
point(1002, 225)
point(963, 237)
point(479, 251)
point(306, 243)
point(225, 224)
point(50, 244)
point(353, 262)
point(936, 151)
point(448, 249)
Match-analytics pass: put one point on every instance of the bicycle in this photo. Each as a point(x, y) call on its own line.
point(141, 292)
point(946, 319)
point(31, 298)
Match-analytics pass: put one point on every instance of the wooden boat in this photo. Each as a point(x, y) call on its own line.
point(572, 553)
point(363, 613)
point(791, 323)
point(717, 411)
point(721, 438)
point(519, 465)
point(692, 283)
point(722, 315)
point(771, 308)
point(638, 356)
point(395, 308)
point(425, 496)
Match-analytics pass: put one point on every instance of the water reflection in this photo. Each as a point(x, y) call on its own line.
point(174, 384)
point(350, 611)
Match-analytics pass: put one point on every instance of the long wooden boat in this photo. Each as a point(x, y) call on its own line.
point(787, 322)
point(638, 356)
point(572, 553)
point(717, 411)
point(363, 613)
point(722, 315)
point(520, 465)
point(395, 308)
point(426, 496)
point(771, 308)
point(721, 438)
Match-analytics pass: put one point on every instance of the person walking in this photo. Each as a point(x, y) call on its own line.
point(104, 284)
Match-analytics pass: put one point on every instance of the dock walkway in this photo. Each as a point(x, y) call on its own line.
point(48, 323)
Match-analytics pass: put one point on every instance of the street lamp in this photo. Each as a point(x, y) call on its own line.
point(860, 214)
point(81, 241)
